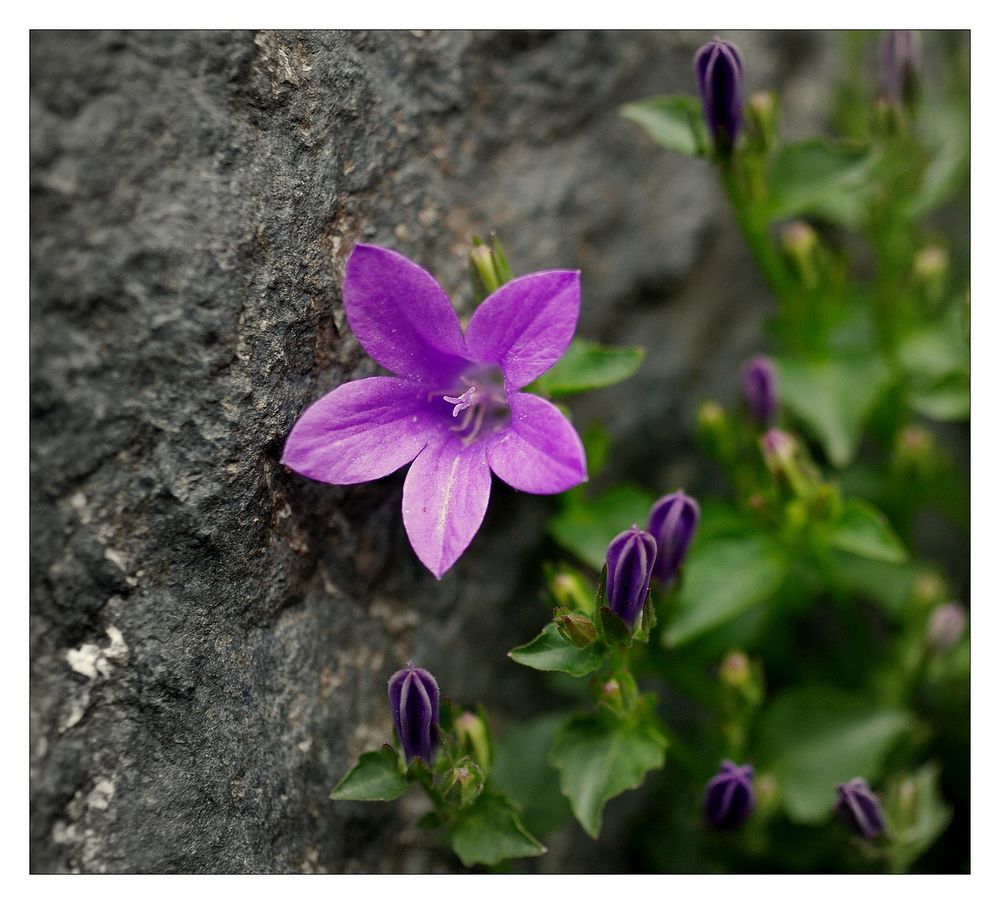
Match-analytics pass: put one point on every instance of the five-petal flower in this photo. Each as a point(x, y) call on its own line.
point(454, 407)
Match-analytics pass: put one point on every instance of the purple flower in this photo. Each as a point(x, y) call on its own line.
point(630, 569)
point(415, 700)
point(860, 808)
point(672, 521)
point(729, 797)
point(718, 68)
point(454, 408)
point(899, 60)
point(945, 627)
point(760, 389)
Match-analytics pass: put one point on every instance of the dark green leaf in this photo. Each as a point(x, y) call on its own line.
point(948, 167)
point(822, 178)
point(673, 121)
point(491, 831)
point(587, 525)
point(810, 739)
point(833, 398)
point(587, 365)
point(865, 531)
point(947, 399)
point(551, 652)
point(599, 757)
point(375, 776)
point(523, 772)
point(723, 578)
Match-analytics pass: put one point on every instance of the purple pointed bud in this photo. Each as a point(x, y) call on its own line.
point(899, 62)
point(672, 521)
point(860, 808)
point(718, 69)
point(415, 701)
point(945, 627)
point(729, 798)
point(760, 389)
point(630, 569)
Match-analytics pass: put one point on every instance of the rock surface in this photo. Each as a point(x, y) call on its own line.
point(210, 634)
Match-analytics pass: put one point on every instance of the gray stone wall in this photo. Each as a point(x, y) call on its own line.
point(211, 634)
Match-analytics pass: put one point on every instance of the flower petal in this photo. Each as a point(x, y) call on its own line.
point(444, 501)
point(539, 452)
point(526, 325)
point(361, 431)
point(402, 316)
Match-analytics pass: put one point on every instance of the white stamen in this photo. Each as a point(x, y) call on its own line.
point(465, 400)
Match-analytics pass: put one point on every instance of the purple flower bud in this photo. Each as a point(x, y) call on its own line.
point(729, 797)
point(718, 68)
point(899, 61)
point(630, 569)
point(760, 389)
point(945, 626)
point(415, 699)
point(672, 521)
point(860, 808)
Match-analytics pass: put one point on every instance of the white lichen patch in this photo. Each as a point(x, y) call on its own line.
point(92, 662)
point(101, 795)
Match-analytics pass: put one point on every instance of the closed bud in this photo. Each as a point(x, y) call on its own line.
point(899, 64)
point(735, 672)
point(415, 700)
point(945, 627)
point(711, 426)
point(630, 569)
point(672, 521)
point(570, 591)
point(860, 808)
point(718, 69)
point(914, 451)
point(577, 629)
point(482, 260)
point(729, 797)
point(762, 110)
point(799, 241)
point(930, 264)
point(474, 736)
point(778, 449)
point(463, 783)
point(760, 389)
point(928, 589)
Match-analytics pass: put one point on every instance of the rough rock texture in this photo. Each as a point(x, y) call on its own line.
point(210, 634)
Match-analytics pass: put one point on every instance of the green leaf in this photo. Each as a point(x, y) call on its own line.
point(491, 831)
point(673, 121)
point(599, 757)
point(522, 771)
point(588, 524)
point(375, 776)
point(822, 178)
point(587, 365)
point(888, 585)
point(948, 168)
point(723, 578)
point(864, 530)
point(833, 398)
point(916, 814)
point(811, 739)
point(551, 652)
point(947, 399)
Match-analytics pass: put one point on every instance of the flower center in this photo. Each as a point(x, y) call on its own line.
point(482, 405)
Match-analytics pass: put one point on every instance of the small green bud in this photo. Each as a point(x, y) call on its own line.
point(914, 450)
point(474, 737)
point(735, 672)
point(930, 264)
point(463, 783)
point(570, 591)
point(711, 426)
point(800, 242)
point(762, 118)
point(928, 589)
point(482, 260)
point(577, 629)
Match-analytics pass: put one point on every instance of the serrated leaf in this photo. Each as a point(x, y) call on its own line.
point(811, 739)
point(822, 178)
point(551, 652)
point(375, 776)
point(723, 578)
point(587, 365)
point(599, 757)
point(833, 398)
point(674, 121)
point(491, 831)
point(588, 524)
point(863, 530)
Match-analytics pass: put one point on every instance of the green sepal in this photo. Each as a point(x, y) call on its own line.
point(576, 628)
point(674, 121)
point(551, 652)
point(600, 755)
point(490, 831)
point(463, 783)
point(376, 776)
point(614, 629)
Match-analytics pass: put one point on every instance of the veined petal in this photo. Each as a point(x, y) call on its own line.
point(402, 316)
point(526, 325)
point(539, 452)
point(361, 431)
point(444, 500)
